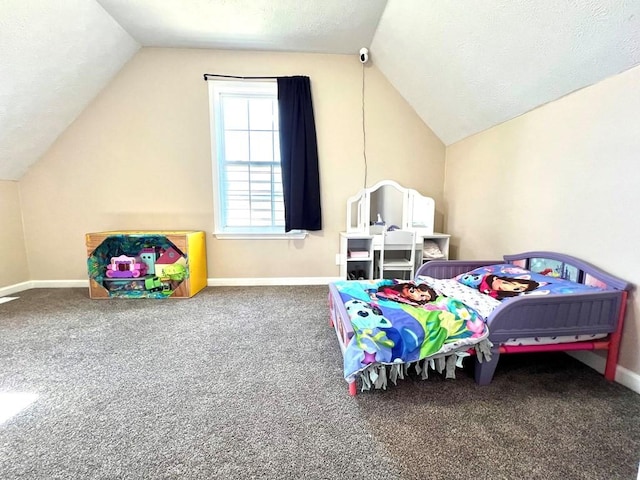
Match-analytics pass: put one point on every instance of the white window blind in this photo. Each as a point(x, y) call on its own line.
point(247, 174)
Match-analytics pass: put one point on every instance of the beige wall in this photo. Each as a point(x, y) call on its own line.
point(564, 177)
point(13, 256)
point(139, 158)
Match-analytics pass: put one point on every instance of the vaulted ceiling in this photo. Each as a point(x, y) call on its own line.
point(463, 66)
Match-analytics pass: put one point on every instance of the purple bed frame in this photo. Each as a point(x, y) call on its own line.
point(598, 312)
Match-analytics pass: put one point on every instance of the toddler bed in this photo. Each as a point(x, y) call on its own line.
point(530, 302)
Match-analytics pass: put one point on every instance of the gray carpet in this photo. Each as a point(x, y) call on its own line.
point(243, 383)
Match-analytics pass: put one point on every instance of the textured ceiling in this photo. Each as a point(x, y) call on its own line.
point(55, 56)
point(323, 26)
point(467, 66)
point(464, 66)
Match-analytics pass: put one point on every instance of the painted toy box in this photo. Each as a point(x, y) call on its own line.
point(146, 264)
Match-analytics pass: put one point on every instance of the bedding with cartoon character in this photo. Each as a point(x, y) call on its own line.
point(485, 288)
point(403, 324)
point(504, 281)
point(431, 323)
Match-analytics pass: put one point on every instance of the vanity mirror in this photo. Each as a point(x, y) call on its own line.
point(388, 203)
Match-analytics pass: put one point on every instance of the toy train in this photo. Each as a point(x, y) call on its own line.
point(154, 284)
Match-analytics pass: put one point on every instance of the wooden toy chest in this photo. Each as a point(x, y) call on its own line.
point(188, 247)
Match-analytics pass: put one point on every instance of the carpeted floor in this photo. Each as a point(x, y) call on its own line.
point(244, 383)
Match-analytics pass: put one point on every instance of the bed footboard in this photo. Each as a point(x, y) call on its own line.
point(339, 320)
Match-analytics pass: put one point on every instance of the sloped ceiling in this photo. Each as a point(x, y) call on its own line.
point(466, 66)
point(463, 66)
point(321, 26)
point(55, 56)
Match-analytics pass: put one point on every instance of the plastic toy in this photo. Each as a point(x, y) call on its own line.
point(176, 271)
point(148, 256)
point(126, 267)
point(169, 256)
point(154, 284)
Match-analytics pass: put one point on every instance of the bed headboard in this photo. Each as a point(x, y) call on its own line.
point(567, 267)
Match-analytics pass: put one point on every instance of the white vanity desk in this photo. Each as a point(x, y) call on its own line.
point(401, 207)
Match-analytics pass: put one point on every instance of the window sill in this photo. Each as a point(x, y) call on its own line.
point(261, 236)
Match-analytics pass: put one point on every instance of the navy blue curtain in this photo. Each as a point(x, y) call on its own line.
point(299, 155)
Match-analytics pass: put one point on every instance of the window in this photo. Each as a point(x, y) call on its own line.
point(247, 175)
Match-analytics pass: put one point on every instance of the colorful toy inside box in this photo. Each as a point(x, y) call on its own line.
point(147, 266)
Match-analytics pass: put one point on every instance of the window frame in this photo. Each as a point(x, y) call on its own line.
point(251, 88)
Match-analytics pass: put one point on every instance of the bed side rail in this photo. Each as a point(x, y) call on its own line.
point(556, 315)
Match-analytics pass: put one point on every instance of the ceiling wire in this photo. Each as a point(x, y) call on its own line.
point(364, 133)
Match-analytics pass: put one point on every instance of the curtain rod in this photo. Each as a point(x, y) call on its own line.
point(206, 75)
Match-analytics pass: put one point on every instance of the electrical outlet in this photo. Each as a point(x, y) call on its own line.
point(338, 262)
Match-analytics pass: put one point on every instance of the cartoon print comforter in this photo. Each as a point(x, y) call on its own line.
point(398, 323)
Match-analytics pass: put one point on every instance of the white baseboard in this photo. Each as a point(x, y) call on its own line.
point(60, 284)
point(253, 282)
point(18, 287)
point(21, 287)
point(211, 282)
point(624, 376)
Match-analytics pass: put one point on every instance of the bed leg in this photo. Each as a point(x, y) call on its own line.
point(352, 389)
point(483, 372)
point(612, 356)
point(612, 363)
point(614, 342)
